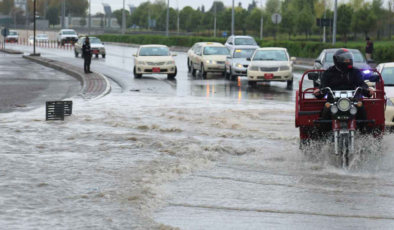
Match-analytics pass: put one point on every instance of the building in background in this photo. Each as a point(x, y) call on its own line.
point(22, 4)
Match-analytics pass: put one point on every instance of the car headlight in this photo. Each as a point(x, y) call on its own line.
point(353, 110)
point(344, 104)
point(283, 68)
point(141, 63)
point(210, 62)
point(334, 109)
point(238, 65)
point(170, 62)
point(253, 68)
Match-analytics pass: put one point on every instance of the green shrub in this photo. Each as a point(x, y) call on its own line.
point(382, 52)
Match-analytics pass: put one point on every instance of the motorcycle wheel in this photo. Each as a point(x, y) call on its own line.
point(344, 151)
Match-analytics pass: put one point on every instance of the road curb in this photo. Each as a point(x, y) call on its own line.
point(94, 86)
point(8, 51)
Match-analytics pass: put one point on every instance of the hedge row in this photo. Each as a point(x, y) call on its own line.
point(296, 49)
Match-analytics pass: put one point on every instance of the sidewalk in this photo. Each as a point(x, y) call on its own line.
point(94, 86)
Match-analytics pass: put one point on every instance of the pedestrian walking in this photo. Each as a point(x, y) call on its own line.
point(369, 49)
point(87, 55)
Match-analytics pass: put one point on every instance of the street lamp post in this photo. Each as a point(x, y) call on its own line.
point(334, 33)
point(123, 18)
point(168, 18)
point(262, 20)
point(232, 19)
point(34, 38)
point(214, 26)
point(324, 29)
point(90, 15)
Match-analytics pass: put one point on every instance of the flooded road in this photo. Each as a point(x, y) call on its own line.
point(195, 154)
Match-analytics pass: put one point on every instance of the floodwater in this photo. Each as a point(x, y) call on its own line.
point(196, 160)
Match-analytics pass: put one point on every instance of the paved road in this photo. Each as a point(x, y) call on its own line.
point(119, 64)
point(26, 85)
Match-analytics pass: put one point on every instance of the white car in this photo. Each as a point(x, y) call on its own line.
point(96, 46)
point(271, 64)
point(387, 72)
point(154, 59)
point(40, 38)
point(13, 36)
point(209, 57)
point(67, 36)
point(191, 54)
point(234, 41)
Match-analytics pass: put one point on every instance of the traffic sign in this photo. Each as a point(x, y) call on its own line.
point(324, 22)
point(224, 34)
point(276, 18)
point(5, 32)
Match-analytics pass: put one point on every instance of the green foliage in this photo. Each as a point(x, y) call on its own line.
point(119, 15)
point(364, 20)
point(6, 6)
point(345, 12)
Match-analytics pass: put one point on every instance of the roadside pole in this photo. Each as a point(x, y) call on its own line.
point(324, 29)
point(262, 20)
point(168, 18)
point(34, 38)
point(90, 15)
point(232, 20)
point(123, 18)
point(214, 26)
point(334, 33)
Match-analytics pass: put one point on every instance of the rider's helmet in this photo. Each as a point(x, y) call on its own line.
point(343, 60)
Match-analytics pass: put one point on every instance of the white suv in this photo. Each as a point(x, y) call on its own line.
point(13, 36)
point(67, 36)
point(234, 41)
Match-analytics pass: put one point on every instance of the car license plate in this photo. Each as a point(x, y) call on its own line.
point(268, 76)
point(156, 70)
point(95, 51)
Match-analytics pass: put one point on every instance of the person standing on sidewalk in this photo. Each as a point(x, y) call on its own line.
point(87, 55)
point(369, 49)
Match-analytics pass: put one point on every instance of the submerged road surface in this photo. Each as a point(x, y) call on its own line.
point(195, 154)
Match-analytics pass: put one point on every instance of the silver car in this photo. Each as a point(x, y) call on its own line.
point(235, 41)
point(96, 45)
point(237, 64)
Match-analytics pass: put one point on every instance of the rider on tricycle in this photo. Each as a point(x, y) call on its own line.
point(341, 106)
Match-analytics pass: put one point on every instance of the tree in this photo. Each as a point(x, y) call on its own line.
point(17, 15)
point(305, 21)
point(356, 4)
point(364, 20)
point(288, 22)
point(6, 6)
point(272, 6)
point(219, 7)
point(53, 15)
point(344, 13)
point(253, 20)
point(119, 15)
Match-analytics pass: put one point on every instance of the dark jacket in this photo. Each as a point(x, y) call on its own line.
point(86, 50)
point(337, 80)
point(369, 48)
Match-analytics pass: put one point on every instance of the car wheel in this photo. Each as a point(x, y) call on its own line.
point(252, 83)
point(97, 55)
point(76, 54)
point(193, 70)
point(63, 43)
point(137, 75)
point(188, 66)
point(290, 83)
point(172, 76)
point(203, 73)
point(103, 55)
point(232, 77)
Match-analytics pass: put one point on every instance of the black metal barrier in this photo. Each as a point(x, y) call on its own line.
point(57, 110)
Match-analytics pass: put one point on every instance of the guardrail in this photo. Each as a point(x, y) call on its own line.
point(50, 44)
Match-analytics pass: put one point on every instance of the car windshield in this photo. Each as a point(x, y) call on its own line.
point(358, 57)
point(270, 55)
point(216, 50)
point(154, 51)
point(245, 42)
point(13, 33)
point(388, 76)
point(42, 36)
point(69, 32)
point(244, 53)
point(95, 41)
